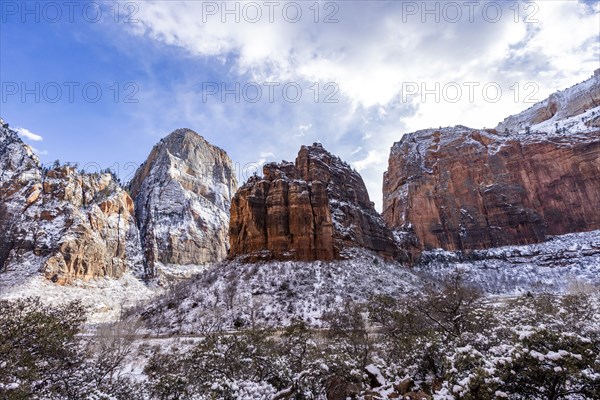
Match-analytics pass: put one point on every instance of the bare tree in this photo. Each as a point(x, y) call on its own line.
point(110, 346)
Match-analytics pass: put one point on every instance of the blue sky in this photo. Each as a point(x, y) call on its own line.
point(371, 60)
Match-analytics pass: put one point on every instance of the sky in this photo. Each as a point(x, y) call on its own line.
point(98, 83)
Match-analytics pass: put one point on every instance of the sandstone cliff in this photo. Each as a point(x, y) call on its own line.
point(66, 224)
point(312, 209)
point(182, 197)
point(460, 188)
point(574, 101)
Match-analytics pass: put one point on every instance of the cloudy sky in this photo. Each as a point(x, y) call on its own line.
point(99, 83)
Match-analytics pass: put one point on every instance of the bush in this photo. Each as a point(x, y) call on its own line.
point(450, 344)
point(38, 348)
point(214, 367)
point(547, 365)
point(42, 356)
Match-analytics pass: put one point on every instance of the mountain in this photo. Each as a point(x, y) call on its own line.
point(72, 225)
point(579, 101)
point(66, 234)
point(536, 175)
point(313, 209)
point(508, 205)
point(65, 224)
point(182, 195)
point(19, 169)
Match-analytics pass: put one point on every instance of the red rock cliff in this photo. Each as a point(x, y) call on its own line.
point(538, 174)
point(461, 189)
point(311, 210)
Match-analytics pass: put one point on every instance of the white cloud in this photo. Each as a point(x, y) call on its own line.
point(372, 158)
point(29, 135)
point(372, 55)
point(267, 154)
point(355, 151)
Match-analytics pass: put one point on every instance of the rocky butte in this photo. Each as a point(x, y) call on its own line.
point(313, 209)
point(66, 224)
point(182, 196)
point(536, 174)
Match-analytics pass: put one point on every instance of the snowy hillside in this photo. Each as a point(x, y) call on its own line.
point(104, 298)
point(559, 265)
point(580, 100)
point(233, 295)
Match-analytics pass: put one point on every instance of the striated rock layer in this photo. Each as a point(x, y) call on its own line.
point(461, 189)
point(312, 209)
point(182, 197)
point(537, 174)
point(65, 224)
point(562, 105)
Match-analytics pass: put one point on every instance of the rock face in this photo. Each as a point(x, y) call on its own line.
point(182, 197)
point(574, 101)
point(312, 209)
point(66, 224)
point(19, 171)
point(71, 225)
point(461, 189)
point(91, 220)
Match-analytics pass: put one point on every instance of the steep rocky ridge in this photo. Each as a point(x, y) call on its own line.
point(19, 171)
point(463, 189)
point(66, 224)
point(182, 196)
point(559, 106)
point(313, 209)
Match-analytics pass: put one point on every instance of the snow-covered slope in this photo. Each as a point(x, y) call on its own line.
point(233, 295)
point(559, 265)
point(104, 298)
point(581, 100)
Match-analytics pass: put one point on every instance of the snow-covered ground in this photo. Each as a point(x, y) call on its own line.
point(275, 293)
point(232, 294)
point(104, 297)
point(558, 265)
point(581, 123)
